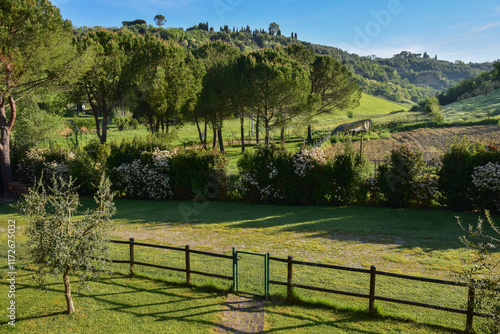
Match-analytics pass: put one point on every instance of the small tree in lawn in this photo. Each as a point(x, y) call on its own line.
point(61, 245)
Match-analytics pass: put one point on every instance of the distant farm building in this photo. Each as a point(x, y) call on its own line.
point(355, 127)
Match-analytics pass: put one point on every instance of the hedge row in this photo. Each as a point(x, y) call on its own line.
point(468, 177)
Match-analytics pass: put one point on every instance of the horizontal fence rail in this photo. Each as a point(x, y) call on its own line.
point(373, 272)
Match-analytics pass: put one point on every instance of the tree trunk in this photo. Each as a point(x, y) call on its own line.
point(5, 129)
point(257, 129)
point(95, 111)
point(221, 142)
point(268, 134)
point(242, 122)
point(104, 127)
point(282, 136)
point(67, 291)
point(214, 142)
point(199, 131)
point(309, 133)
point(157, 126)
point(205, 138)
point(162, 122)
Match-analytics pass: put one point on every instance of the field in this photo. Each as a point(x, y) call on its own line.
point(422, 243)
point(430, 141)
point(479, 107)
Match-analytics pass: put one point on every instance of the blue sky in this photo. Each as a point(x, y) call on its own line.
point(454, 30)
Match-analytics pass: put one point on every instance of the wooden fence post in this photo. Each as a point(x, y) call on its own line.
point(373, 273)
point(289, 281)
point(188, 265)
point(131, 256)
point(470, 309)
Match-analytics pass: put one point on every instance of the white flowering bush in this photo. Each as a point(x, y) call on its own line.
point(425, 190)
point(146, 178)
point(308, 158)
point(487, 177)
point(30, 164)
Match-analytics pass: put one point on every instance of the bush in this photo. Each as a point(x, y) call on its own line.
point(199, 174)
point(347, 171)
point(402, 176)
point(456, 175)
point(275, 175)
point(181, 175)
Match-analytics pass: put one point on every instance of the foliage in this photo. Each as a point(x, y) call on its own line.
point(401, 177)
point(128, 150)
point(61, 245)
point(36, 52)
point(282, 88)
point(484, 239)
point(456, 175)
point(36, 125)
point(274, 175)
point(482, 84)
point(177, 175)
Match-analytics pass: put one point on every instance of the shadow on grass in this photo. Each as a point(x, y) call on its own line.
point(162, 301)
point(404, 228)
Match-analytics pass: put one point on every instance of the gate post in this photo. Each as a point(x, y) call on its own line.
point(235, 271)
point(470, 309)
point(373, 273)
point(289, 281)
point(132, 256)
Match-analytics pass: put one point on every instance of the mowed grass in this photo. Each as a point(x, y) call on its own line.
point(414, 242)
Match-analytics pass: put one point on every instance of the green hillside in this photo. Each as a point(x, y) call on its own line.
point(479, 107)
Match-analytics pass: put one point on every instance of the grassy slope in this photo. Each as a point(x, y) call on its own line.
point(478, 107)
point(369, 106)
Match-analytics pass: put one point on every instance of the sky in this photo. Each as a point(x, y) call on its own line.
point(466, 30)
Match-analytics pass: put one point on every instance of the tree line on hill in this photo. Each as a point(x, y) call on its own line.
point(404, 77)
point(482, 84)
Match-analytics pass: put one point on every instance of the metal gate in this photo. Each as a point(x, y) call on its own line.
point(251, 273)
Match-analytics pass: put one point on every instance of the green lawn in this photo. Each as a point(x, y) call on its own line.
point(414, 242)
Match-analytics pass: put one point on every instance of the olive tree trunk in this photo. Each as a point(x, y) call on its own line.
point(67, 291)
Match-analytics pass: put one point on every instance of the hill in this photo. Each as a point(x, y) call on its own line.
point(479, 107)
point(404, 77)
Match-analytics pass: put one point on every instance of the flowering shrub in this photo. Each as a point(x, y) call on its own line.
point(306, 159)
point(426, 190)
point(487, 180)
point(487, 177)
point(35, 162)
point(456, 183)
point(146, 178)
point(307, 177)
point(266, 175)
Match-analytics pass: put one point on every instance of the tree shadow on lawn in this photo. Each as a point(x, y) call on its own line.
point(131, 296)
point(350, 321)
point(165, 303)
point(405, 228)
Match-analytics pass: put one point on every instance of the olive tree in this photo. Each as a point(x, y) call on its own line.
point(484, 238)
point(60, 244)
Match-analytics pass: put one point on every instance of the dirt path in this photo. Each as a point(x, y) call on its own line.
point(432, 142)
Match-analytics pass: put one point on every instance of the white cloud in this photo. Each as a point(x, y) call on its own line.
point(484, 27)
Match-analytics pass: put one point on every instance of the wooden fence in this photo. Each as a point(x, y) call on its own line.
point(371, 296)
